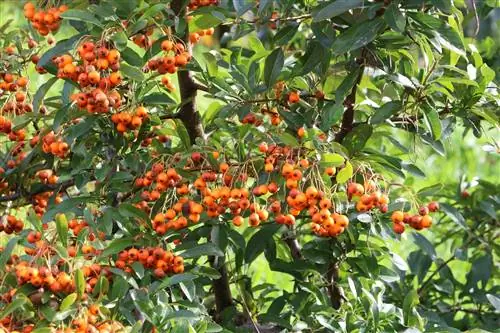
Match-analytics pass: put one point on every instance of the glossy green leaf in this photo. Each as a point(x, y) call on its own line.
point(335, 8)
point(13, 306)
point(41, 92)
point(5, 255)
point(394, 18)
point(207, 249)
point(344, 174)
point(357, 36)
point(386, 111)
point(259, 241)
point(132, 73)
point(68, 301)
point(273, 66)
point(331, 114)
point(81, 15)
point(331, 160)
point(62, 228)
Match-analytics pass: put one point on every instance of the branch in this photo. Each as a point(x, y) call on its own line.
point(20, 193)
point(187, 86)
point(335, 292)
point(291, 240)
point(192, 121)
point(222, 291)
point(348, 117)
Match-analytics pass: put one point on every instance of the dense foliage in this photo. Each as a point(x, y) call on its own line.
point(239, 166)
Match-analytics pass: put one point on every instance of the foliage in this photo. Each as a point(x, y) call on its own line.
point(239, 166)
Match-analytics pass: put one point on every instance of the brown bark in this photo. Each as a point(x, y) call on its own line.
point(187, 87)
point(348, 117)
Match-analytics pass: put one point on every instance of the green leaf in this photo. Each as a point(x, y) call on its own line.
point(386, 111)
point(331, 160)
point(173, 280)
point(395, 18)
point(133, 73)
point(453, 214)
point(425, 245)
point(41, 92)
point(7, 251)
point(288, 139)
point(347, 84)
point(42, 330)
point(62, 229)
point(68, 301)
point(207, 249)
point(399, 262)
point(345, 173)
point(209, 272)
point(79, 283)
point(131, 57)
point(13, 306)
point(257, 244)
point(61, 47)
point(81, 15)
point(332, 113)
point(413, 169)
point(285, 34)
point(154, 9)
point(117, 245)
point(410, 301)
point(60, 117)
point(356, 140)
point(439, 28)
point(273, 66)
point(158, 99)
point(357, 36)
point(335, 8)
point(129, 210)
point(433, 122)
point(182, 133)
point(494, 300)
point(120, 40)
point(314, 55)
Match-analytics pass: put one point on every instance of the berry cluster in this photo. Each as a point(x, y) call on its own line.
point(175, 57)
point(54, 145)
point(128, 120)
point(143, 40)
point(44, 21)
point(195, 37)
point(162, 262)
point(368, 197)
point(96, 72)
point(41, 201)
point(419, 221)
point(10, 224)
point(195, 4)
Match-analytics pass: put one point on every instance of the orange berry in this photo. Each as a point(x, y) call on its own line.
point(397, 216)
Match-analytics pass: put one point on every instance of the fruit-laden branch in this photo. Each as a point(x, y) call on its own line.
point(348, 117)
point(192, 121)
point(22, 193)
point(187, 86)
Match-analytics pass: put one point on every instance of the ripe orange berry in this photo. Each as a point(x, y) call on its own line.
point(293, 97)
point(254, 219)
point(398, 228)
point(397, 216)
point(167, 45)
